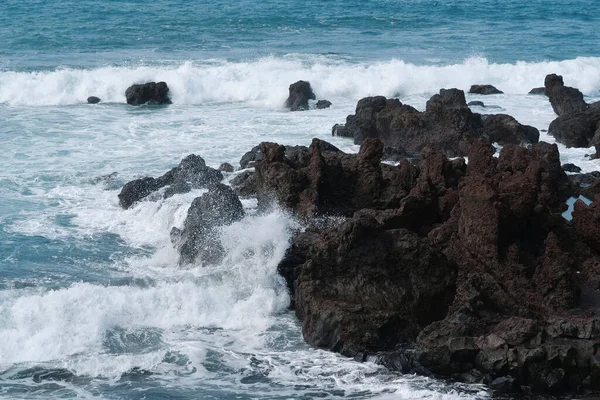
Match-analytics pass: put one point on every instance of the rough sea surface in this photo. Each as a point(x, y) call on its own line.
point(92, 303)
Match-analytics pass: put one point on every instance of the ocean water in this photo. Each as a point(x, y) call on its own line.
point(92, 303)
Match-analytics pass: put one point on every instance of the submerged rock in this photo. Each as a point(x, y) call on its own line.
point(93, 100)
point(300, 93)
point(321, 104)
point(191, 172)
point(198, 240)
point(476, 104)
point(484, 89)
point(148, 93)
point(538, 91)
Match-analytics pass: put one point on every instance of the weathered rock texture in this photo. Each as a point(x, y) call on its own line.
point(447, 125)
point(445, 269)
point(191, 172)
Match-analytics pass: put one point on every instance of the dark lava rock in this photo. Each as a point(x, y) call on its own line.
point(504, 129)
point(198, 240)
point(340, 130)
point(321, 104)
point(93, 100)
point(571, 168)
point(538, 91)
point(476, 104)
point(148, 93)
point(446, 125)
point(387, 285)
point(245, 184)
point(484, 89)
point(300, 93)
point(448, 269)
point(576, 129)
point(321, 180)
point(191, 172)
point(564, 99)
point(225, 167)
point(250, 157)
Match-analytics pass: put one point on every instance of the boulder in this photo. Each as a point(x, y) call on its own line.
point(148, 93)
point(564, 99)
point(538, 91)
point(199, 240)
point(93, 100)
point(300, 93)
point(576, 129)
point(571, 168)
point(191, 172)
point(447, 124)
point(245, 184)
point(504, 129)
point(484, 89)
point(322, 104)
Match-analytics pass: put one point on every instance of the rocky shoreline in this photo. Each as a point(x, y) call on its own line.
point(435, 266)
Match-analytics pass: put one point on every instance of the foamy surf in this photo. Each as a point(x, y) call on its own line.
point(264, 82)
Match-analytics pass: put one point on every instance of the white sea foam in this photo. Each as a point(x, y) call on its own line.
point(264, 82)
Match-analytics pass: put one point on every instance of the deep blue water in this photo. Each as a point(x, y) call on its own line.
point(92, 301)
point(44, 34)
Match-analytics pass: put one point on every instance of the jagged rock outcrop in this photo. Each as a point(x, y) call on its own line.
point(192, 172)
point(484, 89)
point(504, 129)
point(522, 309)
point(148, 93)
point(300, 93)
point(579, 129)
point(198, 240)
point(564, 99)
point(447, 125)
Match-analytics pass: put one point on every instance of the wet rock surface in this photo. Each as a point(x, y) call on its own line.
point(484, 89)
point(299, 94)
point(447, 125)
point(93, 100)
point(148, 93)
point(198, 241)
point(504, 129)
point(513, 284)
point(322, 104)
point(191, 173)
point(564, 99)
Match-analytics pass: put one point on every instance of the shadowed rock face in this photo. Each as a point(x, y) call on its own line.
point(504, 129)
point(470, 267)
point(447, 125)
point(148, 93)
point(484, 89)
point(578, 123)
point(300, 93)
point(191, 172)
point(564, 99)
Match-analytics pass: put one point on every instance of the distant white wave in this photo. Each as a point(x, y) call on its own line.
point(264, 82)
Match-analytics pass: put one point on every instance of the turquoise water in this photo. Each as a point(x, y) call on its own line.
point(92, 302)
